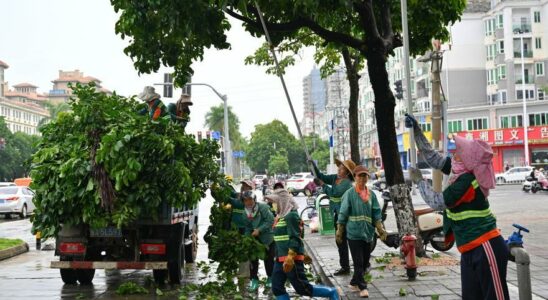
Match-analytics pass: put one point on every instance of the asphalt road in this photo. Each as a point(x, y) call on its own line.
point(28, 276)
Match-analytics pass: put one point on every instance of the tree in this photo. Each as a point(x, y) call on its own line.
point(54, 110)
point(214, 120)
point(278, 163)
point(175, 33)
point(16, 154)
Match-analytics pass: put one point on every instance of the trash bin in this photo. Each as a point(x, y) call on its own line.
point(327, 224)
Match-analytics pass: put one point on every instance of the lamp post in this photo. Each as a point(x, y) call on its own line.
point(525, 119)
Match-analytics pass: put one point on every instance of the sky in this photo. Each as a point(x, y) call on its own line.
point(38, 38)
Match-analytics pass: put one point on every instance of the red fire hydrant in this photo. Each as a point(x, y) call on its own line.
point(408, 250)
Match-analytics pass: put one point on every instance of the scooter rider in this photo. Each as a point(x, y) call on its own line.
point(259, 221)
point(334, 186)
point(467, 217)
point(359, 215)
point(289, 264)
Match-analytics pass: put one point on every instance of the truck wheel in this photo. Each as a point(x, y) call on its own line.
point(85, 276)
point(68, 275)
point(192, 250)
point(159, 276)
point(175, 253)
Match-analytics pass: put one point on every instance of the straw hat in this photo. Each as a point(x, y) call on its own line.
point(149, 94)
point(348, 164)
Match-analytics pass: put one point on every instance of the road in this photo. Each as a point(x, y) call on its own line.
point(28, 276)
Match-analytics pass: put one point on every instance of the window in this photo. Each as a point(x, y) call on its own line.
point(502, 96)
point(540, 94)
point(500, 21)
point(501, 72)
point(537, 16)
point(491, 51)
point(538, 43)
point(529, 94)
point(454, 126)
point(511, 121)
point(426, 126)
point(539, 68)
point(538, 119)
point(477, 124)
point(491, 76)
point(500, 46)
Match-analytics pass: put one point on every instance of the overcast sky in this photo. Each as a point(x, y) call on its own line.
point(38, 38)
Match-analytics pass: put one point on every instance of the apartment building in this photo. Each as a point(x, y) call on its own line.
point(61, 91)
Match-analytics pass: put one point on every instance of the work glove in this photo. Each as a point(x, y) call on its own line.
point(289, 261)
point(255, 233)
point(411, 122)
point(227, 206)
point(307, 259)
point(318, 181)
point(415, 175)
point(339, 235)
point(380, 231)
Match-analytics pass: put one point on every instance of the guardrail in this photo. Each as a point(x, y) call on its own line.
point(510, 182)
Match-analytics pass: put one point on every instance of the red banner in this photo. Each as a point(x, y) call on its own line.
point(509, 136)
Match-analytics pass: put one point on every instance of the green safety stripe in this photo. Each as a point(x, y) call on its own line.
point(238, 211)
point(359, 219)
point(280, 238)
point(468, 214)
point(281, 223)
point(475, 184)
point(335, 200)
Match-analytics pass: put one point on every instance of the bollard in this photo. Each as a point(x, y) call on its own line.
point(38, 238)
point(524, 274)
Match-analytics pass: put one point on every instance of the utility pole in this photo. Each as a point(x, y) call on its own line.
point(436, 61)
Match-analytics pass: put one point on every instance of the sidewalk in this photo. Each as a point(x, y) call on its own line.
point(441, 277)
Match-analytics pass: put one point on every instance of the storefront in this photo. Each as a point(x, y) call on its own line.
point(508, 146)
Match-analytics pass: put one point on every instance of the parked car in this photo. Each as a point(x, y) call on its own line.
point(380, 184)
point(16, 200)
point(298, 181)
point(258, 180)
point(516, 174)
point(2, 184)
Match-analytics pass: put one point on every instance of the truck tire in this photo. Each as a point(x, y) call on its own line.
point(68, 275)
point(191, 250)
point(159, 276)
point(85, 276)
point(175, 254)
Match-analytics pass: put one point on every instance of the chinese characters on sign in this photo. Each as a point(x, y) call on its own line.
point(508, 136)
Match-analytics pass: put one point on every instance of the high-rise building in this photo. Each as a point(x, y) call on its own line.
point(314, 99)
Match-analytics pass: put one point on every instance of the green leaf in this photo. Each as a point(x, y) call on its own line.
point(90, 185)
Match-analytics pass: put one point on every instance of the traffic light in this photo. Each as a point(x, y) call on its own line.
point(168, 85)
point(399, 89)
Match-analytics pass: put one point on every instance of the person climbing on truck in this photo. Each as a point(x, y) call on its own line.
point(290, 257)
point(467, 217)
point(334, 186)
point(180, 112)
point(155, 107)
point(259, 221)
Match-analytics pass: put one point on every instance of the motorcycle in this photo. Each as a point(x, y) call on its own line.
point(532, 185)
point(430, 225)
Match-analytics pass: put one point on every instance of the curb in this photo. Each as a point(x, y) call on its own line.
point(319, 269)
point(14, 251)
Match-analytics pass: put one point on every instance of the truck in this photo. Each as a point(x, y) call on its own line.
point(162, 242)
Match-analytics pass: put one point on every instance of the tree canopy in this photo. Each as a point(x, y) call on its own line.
point(214, 120)
point(16, 153)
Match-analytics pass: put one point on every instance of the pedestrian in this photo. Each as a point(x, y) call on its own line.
point(539, 175)
point(334, 186)
point(180, 112)
point(259, 221)
point(155, 107)
point(265, 185)
point(359, 215)
point(467, 217)
point(289, 263)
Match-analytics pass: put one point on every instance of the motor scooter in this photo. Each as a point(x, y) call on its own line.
point(532, 185)
point(430, 225)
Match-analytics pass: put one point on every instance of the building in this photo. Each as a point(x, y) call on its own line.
point(26, 93)
point(314, 100)
point(61, 91)
point(3, 84)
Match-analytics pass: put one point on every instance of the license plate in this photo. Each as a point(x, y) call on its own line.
point(105, 232)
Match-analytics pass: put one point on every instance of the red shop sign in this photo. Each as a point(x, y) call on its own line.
point(508, 136)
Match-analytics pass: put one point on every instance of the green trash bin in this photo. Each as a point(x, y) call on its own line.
point(327, 224)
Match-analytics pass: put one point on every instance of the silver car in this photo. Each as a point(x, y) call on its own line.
point(16, 200)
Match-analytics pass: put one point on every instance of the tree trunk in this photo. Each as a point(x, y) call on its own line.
point(353, 80)
point(386, 130)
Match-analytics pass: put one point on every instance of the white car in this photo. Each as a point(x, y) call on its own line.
point(2, 184)
point(517, 174)
point(258, 180)
point(16, 200)
point(298, 181)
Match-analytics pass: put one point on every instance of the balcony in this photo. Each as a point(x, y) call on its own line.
point(526, 54)
point(528, 80)
point(522, 28)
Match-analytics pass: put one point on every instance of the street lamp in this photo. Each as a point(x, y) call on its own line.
point(525, 119)
point(226, 141)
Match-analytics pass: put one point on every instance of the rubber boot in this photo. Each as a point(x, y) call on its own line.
point(253, 285)
point(283, 297)
point(325, 291)
point(268, 283)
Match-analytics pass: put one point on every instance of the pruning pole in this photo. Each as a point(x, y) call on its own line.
point(271, 47)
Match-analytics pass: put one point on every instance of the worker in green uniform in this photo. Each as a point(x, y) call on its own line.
point(180, 111)
point(258, 222)
point(155, 107)
point(334, 186)
point(359, 215)
point(289, 263)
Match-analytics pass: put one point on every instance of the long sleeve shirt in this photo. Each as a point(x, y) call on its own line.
point(288, 234)
point(359, 217)
point(262, 220)
point(335, 190)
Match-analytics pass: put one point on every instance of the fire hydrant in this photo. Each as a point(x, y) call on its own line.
point(408, 250)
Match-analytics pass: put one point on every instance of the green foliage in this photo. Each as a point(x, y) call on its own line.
point(104, 164)
point(54, 110)
point(278, 163)
point(130, 288)
point(402, 292)
point(210, 290)
point(8, 243)
point(15, 157)
point(214, 120)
